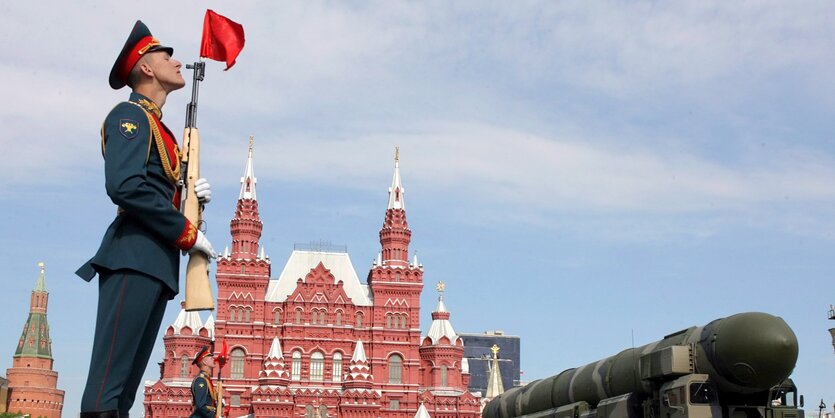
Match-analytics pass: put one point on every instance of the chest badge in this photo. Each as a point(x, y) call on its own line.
point(128, 128)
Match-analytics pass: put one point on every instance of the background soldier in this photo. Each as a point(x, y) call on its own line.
point(203, 392)
point(138, 260)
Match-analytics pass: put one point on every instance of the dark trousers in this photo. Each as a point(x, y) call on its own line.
point(130, 310)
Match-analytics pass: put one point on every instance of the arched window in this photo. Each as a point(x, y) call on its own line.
point(247, 314)
point(308, 411)
point(296, 369)
point(277, 319)
point(443, 375)
point(337, 367)
point(395, 369)
point(185, 362)
point(338, 320)
point(298, 316)
point(241, 315)
point(397, 276)
point(237, 368)
point(359, 319)
point(232, 314)
point(403, 322)
point(388, 320)
point(317, 367)
point(323, 411)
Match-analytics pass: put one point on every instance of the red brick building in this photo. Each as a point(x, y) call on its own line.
point(32, 382)
point(316, 341)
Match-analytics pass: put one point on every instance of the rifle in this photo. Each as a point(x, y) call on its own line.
point(221, 361)
point(198, 289)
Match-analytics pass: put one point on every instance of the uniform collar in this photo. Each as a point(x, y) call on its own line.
point(146, 104)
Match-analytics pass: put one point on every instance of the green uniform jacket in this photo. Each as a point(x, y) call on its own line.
point(148, 229)
point(203, 394)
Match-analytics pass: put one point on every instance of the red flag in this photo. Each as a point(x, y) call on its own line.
point(221, 357)
point(223, 39)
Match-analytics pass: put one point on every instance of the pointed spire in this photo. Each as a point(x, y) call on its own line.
point(359, 373)
point(248, 180)
point(359, 353)
point(210, 327)
point(226, 252)
point(465, 366)
point(422, 412)
point(246, 226)
point(396, 190)
point(379, 259)
point(274, 371)
point(40, 285)
point(441, 327)
point(494, 380)
point(35, 341)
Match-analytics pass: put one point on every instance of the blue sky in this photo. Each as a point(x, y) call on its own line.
point(579, 174)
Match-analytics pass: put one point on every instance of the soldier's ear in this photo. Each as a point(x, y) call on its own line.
point(145, 67)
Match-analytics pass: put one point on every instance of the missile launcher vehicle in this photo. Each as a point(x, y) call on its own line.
point(734, 367)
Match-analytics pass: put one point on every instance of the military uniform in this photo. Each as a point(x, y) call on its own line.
point(203, 391)
point(138, 260)
point(204, 396)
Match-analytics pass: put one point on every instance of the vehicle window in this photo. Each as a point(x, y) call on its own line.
point(701, 393)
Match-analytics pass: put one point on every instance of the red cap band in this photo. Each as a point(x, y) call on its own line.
point(132, 58)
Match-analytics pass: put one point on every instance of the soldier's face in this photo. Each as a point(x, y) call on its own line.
point(166, 70)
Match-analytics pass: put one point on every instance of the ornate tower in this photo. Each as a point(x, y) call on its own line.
point(32, 382)
point(444, 372)
point(243, 274)
point(395, 286)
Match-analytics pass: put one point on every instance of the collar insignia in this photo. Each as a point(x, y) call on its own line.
point(151, 107)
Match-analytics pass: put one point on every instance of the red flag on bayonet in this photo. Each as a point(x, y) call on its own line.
point(221, 357)
point(223, 39)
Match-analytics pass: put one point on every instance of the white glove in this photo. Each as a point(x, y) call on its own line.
point(202, 244)
point(203, 190)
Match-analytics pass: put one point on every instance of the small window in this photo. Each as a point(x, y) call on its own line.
point(185, 363)
point(296, 369)
point(317, 367)
point(338, 320)
point(240, 315)
point(277, 319)
point(359, 319)
point(247, 315)
point(337, 367)
point(394, 404)
point(237, 367)
point(388, 321)
point(397, 276)
point(298, 316)
point(236, 400)
point(443, 375)
point(395, 369)
point(231, 314)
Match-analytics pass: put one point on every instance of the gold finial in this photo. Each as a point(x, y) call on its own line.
point(251, 140)
point(440, 287)
point(41, 265)
point(495, 349)
point(396, 153)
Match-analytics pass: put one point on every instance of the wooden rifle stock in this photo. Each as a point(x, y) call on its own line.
point(198, 289)
point(219, 405)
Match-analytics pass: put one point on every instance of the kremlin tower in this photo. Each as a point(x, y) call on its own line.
point(315, 341)
point(32, 382)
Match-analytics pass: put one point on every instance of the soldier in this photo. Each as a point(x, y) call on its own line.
point(203, 392)
point(138, 260)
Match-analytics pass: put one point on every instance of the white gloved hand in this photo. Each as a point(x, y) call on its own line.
point(203, 245)
point(203, 190)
